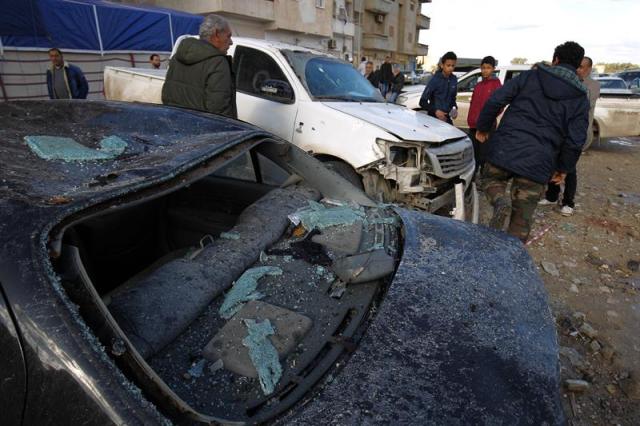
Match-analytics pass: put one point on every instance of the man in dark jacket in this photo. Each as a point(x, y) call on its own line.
point(386, 76)
point(200, 74)
point(539, 138)
point(65, 81)
point(371, 75)
point(439, 96)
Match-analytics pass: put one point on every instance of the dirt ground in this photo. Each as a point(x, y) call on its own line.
point(589, 264)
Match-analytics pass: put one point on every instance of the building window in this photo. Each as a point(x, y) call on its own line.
point(391, 31)
point(320, 4)
point(410, 38)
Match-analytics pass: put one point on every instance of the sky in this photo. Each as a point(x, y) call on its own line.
point(609, 30)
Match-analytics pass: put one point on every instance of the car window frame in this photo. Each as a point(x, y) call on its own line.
point(236, 65)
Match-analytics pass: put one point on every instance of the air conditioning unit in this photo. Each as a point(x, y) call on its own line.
point(331, 44)
point(379, 18)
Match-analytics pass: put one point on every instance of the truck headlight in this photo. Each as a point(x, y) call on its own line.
point(400, 154)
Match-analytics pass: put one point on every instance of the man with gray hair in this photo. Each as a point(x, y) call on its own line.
point(396, 84)
point(200, 74)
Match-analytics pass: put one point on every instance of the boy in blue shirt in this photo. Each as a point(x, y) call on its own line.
point(439, 97)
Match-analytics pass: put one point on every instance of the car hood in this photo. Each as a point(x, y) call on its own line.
point(464, 335)
point(401, 122)
point(158, 141)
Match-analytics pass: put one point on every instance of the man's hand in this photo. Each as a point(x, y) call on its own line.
point(482, 136)
point(441, 115)
point(558, 178)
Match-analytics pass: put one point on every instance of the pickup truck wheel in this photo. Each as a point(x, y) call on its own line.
point(595, 138)
point(346, 171)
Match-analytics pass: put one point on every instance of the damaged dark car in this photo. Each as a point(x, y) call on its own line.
point(165, 266)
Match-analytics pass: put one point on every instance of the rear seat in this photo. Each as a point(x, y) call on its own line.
point(154, 307)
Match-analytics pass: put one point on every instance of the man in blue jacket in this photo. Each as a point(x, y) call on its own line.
point(539, 139)
point(439, 97)
point(65, 81)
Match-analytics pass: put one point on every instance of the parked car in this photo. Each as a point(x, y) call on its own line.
point(628, 76)
point(617, 117)
point(613, 87)
point(124, 227)
point(322, 105)
point(410, 77)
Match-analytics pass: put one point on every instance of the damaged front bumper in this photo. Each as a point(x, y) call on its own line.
point(429, 177)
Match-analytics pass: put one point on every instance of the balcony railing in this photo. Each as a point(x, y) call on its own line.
point(422, 49)
point(423, 22)
point(257, 10)
point(376, 42)
point(382, 7)
point(348, 29)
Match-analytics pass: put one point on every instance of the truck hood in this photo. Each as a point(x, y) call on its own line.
point(401, 122)
point(464, 335)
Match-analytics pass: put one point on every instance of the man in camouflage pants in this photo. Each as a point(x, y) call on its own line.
point(525, 195)
point(539, 138)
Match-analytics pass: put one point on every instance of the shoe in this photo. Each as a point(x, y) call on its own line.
point(545, 202)
point(566, 211)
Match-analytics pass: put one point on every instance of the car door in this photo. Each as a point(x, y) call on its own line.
point(252, 67)
point(465, 90)
point(12, 373)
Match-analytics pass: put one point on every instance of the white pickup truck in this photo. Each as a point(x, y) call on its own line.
point(324, 106)
point(614, 117)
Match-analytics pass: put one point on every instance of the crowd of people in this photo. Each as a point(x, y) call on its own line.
point(547, 113)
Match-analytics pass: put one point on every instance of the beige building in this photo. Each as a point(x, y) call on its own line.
point(392, 27)
point(348, 29)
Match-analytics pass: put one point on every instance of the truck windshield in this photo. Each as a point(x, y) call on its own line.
point(330, 79)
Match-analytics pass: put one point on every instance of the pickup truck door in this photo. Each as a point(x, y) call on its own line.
point(12, 374)
point(252, 68)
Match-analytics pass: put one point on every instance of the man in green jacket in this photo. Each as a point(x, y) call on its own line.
point(200, 74)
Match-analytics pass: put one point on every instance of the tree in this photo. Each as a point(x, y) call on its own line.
point(519, 61)
point(617, 66)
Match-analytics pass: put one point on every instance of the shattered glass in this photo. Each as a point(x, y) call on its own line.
point(263, 354)
point(317, 216)
point(244, 289)
point(67, 149)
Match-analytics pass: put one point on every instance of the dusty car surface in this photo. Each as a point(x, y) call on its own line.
point(159, 265)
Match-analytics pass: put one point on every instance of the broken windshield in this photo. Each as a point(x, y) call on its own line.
point(330, 79)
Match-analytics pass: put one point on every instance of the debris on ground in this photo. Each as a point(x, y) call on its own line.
point(337, 289)
point(263, 354)
point(550, 268)
point(576, 385)
point(244, 289)
point(197, 368)
point(630, 387)
point(588, 330)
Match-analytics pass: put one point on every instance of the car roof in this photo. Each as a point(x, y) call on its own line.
point(608, 78)
point(158, 142)
point(500, 68)
point(277, 45)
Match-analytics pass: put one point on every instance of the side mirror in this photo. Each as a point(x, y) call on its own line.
point(277, 90)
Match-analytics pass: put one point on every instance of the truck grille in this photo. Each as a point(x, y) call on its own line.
point(450, 160)
point(456, 162)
